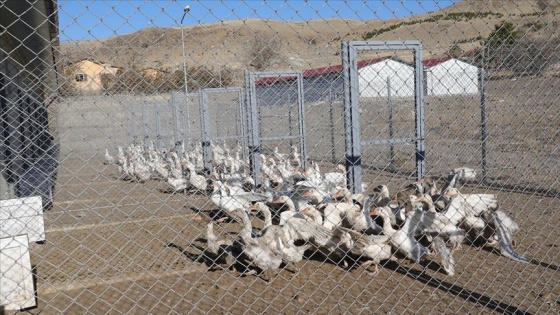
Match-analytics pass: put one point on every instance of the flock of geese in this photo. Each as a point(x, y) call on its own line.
point(307, 212)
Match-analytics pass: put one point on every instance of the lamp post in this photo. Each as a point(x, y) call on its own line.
point(179, 143)
point(185, 11)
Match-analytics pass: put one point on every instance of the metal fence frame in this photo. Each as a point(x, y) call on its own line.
point(254, 123)
point(352, 105)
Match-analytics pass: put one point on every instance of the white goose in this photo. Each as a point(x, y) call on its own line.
point(402, 239)
point(258, 250)
point(374, 248)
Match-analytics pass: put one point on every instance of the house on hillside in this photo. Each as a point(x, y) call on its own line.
point(151, 73)
point(86, 75)
point(450, 76)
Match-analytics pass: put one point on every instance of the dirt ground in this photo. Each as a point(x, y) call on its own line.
point(124, 247)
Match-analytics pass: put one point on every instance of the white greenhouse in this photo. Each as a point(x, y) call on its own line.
point(450, 76)
point(375, 78)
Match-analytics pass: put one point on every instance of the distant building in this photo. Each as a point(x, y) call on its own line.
point(376, 78)
point(86, 75)
point(151, 73)
point(327, 82)
point(450, 76)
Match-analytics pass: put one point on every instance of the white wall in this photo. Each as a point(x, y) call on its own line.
point(373, 79)
point(452, 77)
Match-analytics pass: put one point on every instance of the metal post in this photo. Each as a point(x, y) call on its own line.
point(159, 137)
point(331, 117)
point(243, 127)
point(352, 118)
point(290, 128)
point(134, 122)
point(187, 126)
point(391, 130)
point(145, 128)
point(482, 122)
point(205, 126)
point(185, 11)
point(178, 137)
point(301, 117)
point(254, 141)
point(419, 117)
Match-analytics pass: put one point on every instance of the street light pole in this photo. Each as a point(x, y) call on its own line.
point(185, 11)
point(178, 143)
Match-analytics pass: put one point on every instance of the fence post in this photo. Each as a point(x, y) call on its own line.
point(205, 132)
point(391, 131)
point(159, 136)
point(254, 141)
point(145, 124)
point(352, 119)
point(482, 122)
point(419, 104)
point(331, 117)
point(179, 138)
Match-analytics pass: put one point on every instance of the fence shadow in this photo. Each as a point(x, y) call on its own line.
point(456, 290)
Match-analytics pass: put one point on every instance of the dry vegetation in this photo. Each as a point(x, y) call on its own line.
point(235, 45)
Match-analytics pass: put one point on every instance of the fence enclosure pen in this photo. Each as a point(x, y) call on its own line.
point(245, 157)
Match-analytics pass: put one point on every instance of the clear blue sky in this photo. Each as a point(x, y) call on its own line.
point(90, 19)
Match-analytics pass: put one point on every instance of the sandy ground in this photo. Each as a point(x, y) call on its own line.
point(124, 247)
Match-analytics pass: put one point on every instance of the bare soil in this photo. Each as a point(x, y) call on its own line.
point(125, 247)
point(115, 246)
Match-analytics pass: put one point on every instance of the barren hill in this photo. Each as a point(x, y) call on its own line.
point(316, 43)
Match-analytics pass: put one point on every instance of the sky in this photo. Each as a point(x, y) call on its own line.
point(95, 19)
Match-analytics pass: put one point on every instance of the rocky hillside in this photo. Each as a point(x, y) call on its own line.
point(316, 43)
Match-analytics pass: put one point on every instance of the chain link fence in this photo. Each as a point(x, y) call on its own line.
point(240, 157)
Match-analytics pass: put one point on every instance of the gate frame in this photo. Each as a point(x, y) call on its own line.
point(206, 134)
point(351, 101)
point(252, 110)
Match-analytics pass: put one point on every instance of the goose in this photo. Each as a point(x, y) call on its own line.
point(262, 208)
point(271, 248)
point(177, 184)
point(277, 155)
point(333, 244)
point(429, 222)
point(227, 202)
point(197, 181)
point(220, 249)
point(141, 171)
point(374, 248)
point(290, 209)
point(295, 157)
point(461, 206)
point(258, 250)
point(426, 221)
point(402, 239)
point(109, 160)
point(504, 238)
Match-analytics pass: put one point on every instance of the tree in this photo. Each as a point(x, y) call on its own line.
point(263, 51)
point(498, 44)
point(455, 51)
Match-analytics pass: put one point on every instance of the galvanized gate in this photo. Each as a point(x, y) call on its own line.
point(367, 90)
point(222, 119)
point(149, 124)
point(276, 114)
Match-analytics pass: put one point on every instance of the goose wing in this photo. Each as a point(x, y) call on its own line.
point(505, 241)
point(448, 262)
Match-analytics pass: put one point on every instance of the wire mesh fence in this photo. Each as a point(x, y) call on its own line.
point(164, 158)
